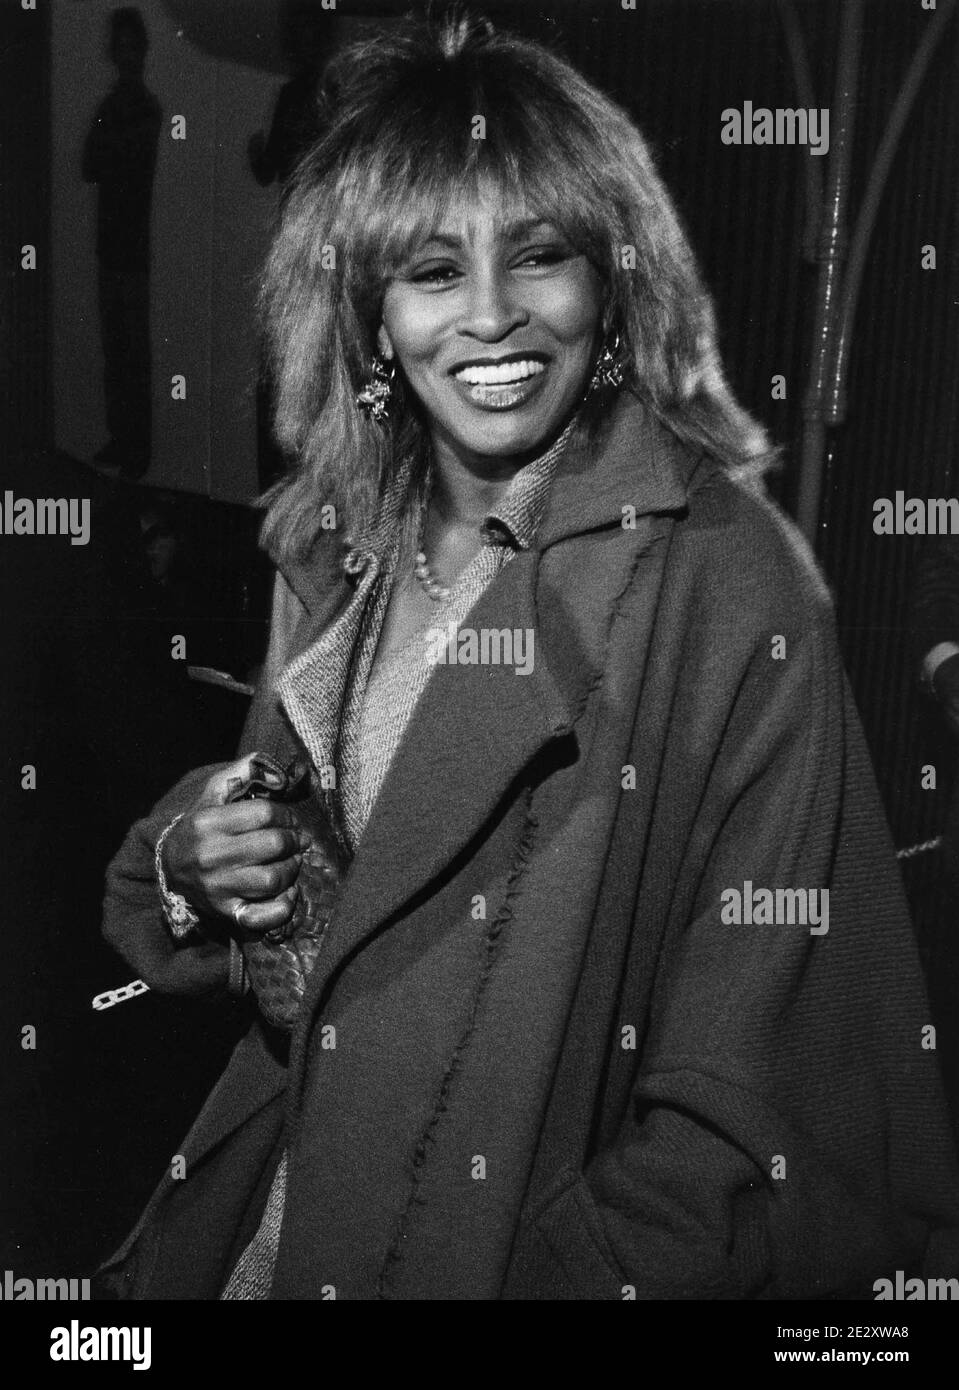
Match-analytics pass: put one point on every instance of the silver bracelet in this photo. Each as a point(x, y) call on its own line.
point(177, 912)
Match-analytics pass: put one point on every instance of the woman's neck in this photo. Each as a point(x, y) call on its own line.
point(466, 487)
point(462, 498)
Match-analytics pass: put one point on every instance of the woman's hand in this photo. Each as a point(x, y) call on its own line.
point(245, 856)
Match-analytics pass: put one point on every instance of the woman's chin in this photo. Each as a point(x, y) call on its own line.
point(505, 432)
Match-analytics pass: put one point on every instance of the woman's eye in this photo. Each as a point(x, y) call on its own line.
point(536, 258)
point(545, 256)
point(433, 275)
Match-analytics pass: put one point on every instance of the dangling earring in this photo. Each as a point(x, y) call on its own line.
point(610, 369)
point(377, 394)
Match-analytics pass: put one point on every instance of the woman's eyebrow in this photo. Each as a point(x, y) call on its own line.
point(437, 239)
point(523, 227)
point(510, 231)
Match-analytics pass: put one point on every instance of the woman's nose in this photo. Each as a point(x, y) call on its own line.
point(493, 309)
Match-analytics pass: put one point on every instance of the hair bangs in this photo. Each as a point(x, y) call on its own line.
point(427, 172)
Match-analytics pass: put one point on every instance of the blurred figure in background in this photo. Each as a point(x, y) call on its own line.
point(119, 156)
point(297, 122)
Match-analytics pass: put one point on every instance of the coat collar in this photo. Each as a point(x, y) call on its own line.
point(635, 462)
point(476, 728)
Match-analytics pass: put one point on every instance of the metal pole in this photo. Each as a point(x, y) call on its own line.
point(835, 410)
point(830, 253)
point(805, 89)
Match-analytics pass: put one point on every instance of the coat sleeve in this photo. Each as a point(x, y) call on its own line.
point(133, 922)
point(785, 1135)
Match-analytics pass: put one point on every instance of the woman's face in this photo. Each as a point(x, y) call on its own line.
point(496, 327)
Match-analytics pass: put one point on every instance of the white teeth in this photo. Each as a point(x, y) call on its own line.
point(499, 376)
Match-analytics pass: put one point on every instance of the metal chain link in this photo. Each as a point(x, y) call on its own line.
point(921, 848)
point(109, 997)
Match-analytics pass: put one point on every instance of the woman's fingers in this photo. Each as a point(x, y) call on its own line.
point(217, 845)
point(258, 917)
point(259, 881)
point(266, 846)
point(249, 851)
point(241, 817)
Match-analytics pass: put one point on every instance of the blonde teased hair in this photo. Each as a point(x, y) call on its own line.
point(397, 154)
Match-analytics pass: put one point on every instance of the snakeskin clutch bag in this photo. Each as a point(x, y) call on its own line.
point(279, 962)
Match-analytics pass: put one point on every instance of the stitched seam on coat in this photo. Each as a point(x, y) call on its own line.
point(428, 1137)
point(600, 674)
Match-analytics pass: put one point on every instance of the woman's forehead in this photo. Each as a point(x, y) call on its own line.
point(465, 218)
point(480, 226)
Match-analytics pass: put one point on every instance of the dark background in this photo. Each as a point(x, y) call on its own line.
point(92, 1116)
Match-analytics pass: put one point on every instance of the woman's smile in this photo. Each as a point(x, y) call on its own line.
point(501, 383)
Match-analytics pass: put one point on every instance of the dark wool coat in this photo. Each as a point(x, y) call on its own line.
point(599, 1086)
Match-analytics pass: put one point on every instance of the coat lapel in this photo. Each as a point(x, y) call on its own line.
point(313, 687)
point(474, 729)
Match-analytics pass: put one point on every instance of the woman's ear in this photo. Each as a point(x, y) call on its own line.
point(384, 346)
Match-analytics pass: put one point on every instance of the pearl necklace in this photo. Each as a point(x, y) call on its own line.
point(435, 588)
point(437, 591)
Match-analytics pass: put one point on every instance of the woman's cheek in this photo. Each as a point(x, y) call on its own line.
point(415, 324)
point(573, 308)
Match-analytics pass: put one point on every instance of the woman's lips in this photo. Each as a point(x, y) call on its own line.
point(501, 395)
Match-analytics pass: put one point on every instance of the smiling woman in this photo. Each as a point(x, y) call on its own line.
point(505, 1039)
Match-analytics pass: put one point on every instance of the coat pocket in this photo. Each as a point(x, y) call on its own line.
point(563, 1249)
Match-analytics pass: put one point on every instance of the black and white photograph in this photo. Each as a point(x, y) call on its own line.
point(479, 545)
